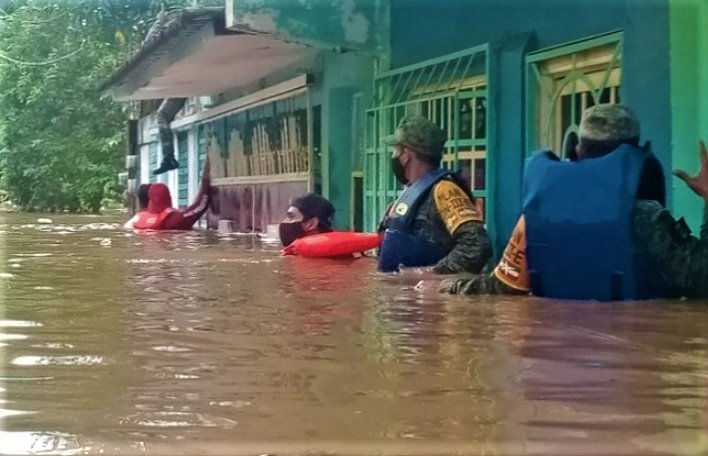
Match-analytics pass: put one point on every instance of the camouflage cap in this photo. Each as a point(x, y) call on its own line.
point(419, 134)
point(609, 122)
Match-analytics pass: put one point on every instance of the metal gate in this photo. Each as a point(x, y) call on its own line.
point(451, 90)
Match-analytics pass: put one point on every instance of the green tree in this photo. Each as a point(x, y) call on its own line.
point(61, 142)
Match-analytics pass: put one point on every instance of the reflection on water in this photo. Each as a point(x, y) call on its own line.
point(191, 343)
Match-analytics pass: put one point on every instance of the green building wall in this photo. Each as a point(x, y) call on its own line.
point(689, 98)
point(348, 24)
point(344, 76)
point(352, 35)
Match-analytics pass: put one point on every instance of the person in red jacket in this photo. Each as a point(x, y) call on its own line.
point(160, 215)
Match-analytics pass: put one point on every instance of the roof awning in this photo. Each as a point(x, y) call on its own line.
point(198, 56)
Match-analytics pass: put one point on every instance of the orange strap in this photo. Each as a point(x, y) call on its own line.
point(512, 268)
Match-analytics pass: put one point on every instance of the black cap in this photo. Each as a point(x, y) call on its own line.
point(314, 205)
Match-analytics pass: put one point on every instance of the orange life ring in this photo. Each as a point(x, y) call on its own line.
point(335, 243)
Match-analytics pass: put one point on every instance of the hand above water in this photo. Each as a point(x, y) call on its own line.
point(450, 286)
point(421, 279)
point(699, 182)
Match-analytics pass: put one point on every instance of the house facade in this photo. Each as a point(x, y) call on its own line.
point(288, 96)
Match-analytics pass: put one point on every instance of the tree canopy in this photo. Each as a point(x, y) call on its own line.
point(61, 142)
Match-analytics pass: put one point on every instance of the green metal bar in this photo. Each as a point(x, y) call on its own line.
point(620, 45)
point(490, 161)
point(377, 165)
point(456, 118)
point(474, 93)
point(420, 75)
point(603, 85)
point(442, 75)
point(530, 108)
point(454, 71)
point(571, 77)
point(467, 69)
point(574, 91)
point(539, 78)
point(312, 177)
point(393, 89)
point(588, 82)
point(403, 87)
point(571, 129)
point(435, 61)
point(419, 100)
point(575, 46)
point(430, 75)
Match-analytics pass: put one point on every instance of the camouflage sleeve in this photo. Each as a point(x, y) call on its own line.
point(680, 258)
point(478, 285)
point(471, 249)
point(471, 252)
point(704, 224)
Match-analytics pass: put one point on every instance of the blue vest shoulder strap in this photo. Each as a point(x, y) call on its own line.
point(406, 206)
point(579, 232)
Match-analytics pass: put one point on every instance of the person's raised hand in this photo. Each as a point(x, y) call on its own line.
point(699, 182)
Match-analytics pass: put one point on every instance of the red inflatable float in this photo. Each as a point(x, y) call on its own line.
point(335, 243)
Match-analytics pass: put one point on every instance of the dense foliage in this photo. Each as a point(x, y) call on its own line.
point(61, 142)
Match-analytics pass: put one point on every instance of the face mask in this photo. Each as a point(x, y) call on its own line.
point(289, 232)
point(399, 171)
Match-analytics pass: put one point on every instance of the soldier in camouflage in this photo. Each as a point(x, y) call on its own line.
point(447, 215)
point(680, 259)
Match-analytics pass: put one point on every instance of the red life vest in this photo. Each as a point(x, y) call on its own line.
point(150, 220)
point(335, 243)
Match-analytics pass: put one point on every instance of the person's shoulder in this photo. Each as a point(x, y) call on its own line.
point(454, 205)
point(647, 205)
point(649, 209)
point(446, 189)
point(651, 217)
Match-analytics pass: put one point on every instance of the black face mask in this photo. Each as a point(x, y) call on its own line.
point(399, 171)
point(290, 231)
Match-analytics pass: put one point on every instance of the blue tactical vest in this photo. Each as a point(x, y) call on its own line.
point(579, 228)
point(400, 246)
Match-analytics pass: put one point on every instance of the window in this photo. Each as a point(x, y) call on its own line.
point(267, 140)
point(565, 81)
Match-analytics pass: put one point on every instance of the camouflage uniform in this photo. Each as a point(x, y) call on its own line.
point(470, 246)
point(447, 215)
point(680, 259)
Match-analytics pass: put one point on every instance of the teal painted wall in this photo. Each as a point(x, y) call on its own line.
point(343, 75)
point(689, 98)
point(350, 24)
point(424, 29)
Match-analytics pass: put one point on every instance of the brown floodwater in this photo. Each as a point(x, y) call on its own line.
point(192, 343)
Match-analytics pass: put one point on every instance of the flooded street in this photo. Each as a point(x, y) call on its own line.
point(197, 344)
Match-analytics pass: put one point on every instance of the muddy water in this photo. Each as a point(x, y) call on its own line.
point(198, 344)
